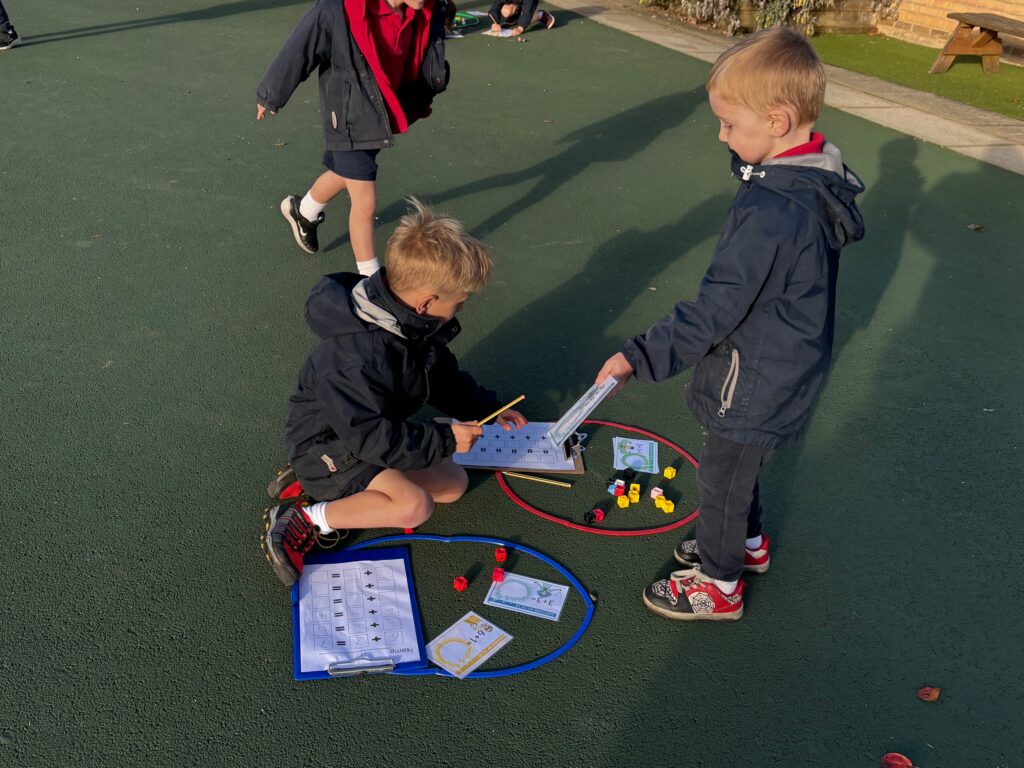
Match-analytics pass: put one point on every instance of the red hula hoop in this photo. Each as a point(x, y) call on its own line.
point(604, 531)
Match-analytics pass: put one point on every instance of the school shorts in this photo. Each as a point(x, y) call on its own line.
point(356, 164)
point(320, 484)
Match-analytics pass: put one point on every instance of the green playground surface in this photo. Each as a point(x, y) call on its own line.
point(153, 328)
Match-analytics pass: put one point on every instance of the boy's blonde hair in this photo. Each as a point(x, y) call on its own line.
point(433, 252)
point(772, 68)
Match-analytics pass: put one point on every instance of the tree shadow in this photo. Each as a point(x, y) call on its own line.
point(566, 330)
point(203, 14)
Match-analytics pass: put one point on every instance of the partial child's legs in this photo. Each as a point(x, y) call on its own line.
point(363, 195)
point(396, 499)
point(730, 510)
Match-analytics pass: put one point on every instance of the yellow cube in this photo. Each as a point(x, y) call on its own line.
point(634, 498)
point(659, 502)
point(668, 507)
point(634, 488)
point(622, 501)
point(670, 472)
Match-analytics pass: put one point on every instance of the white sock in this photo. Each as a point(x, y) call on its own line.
point(310, 208)
point(727, 587)
point(755, 543)
point(368, 267)
point(318, 514)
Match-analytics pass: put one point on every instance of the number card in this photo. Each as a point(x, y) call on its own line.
point(530, 596)
point(466, 644)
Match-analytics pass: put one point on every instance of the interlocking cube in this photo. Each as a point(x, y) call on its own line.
point(634, 488)
point(498, 575)
point(634, 498)
point(669, 473)
point(655, 493)
point(611, 489)
point(668, 507)
point(660, 502)
point(460, 583)
point(620, 491)
point(622, 501)
point(501, 554)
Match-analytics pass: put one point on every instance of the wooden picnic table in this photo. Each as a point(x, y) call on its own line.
point(985, 42)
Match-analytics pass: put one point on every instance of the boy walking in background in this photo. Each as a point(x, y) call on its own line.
point(381, 62)
point(760, 331)
point(383, 354)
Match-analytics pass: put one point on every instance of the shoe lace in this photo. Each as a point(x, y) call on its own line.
point(300, 535)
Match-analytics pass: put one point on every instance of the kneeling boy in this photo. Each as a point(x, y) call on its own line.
point(383, 354)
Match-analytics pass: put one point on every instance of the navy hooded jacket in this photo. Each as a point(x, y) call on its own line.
point(760, 331)
point(377, 364)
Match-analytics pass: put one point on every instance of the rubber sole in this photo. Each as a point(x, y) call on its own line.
point(286, 211)
point(283, 569)
point(680, 616)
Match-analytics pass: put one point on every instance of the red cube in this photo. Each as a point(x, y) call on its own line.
point(500, 555)
point(460, 583)
point(498, 575)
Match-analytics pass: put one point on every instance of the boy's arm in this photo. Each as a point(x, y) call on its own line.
point(495, 12)
point(727, 292)
point(353, 400)
point(526, 14)
point(307, 47)
point(455, 393)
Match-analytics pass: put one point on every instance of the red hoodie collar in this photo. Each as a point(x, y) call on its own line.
point(812, 147)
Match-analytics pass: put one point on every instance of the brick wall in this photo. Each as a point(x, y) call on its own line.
point(924, 22)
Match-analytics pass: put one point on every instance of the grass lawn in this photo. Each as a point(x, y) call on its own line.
point(908, 64)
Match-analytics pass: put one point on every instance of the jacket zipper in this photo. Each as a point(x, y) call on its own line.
point(729, 385)
point(381, 109)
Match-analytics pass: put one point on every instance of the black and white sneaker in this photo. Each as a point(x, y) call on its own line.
point(303, 229)
point(8, 39)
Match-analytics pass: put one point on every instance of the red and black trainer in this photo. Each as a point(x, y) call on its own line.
point(288, 536)
point(692, 595)
point(286, 486)
point(754, 560)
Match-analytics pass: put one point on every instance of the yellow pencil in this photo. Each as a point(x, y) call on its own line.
point(535, 479)
point(500, 411)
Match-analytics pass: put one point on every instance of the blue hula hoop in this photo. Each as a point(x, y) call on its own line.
point(587, 600)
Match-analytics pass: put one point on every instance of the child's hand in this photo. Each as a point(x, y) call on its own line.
point(465, 435)
point(510, 419)
point(518, 31)
point(618, 366)
point(495, 28)
point(261, 112)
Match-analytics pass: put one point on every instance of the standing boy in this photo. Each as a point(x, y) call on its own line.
point(383, 354)
point(381, 62)
point(760, 332)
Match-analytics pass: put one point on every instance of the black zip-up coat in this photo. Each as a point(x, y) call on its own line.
point(760, 332)
point(367, 378)
point(352, 109)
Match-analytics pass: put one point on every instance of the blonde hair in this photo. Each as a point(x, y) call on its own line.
point(772, 68)
point(433, 252)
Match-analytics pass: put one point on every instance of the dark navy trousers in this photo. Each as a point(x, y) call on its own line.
point(730, 504)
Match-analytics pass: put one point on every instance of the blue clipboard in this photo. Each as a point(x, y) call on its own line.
point(342, 670)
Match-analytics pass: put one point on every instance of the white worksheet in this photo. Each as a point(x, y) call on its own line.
point(534, 597)
point(355, 613)
point(466, 644)
point(527, 449)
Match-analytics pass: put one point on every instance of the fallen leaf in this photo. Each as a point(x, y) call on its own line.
point(896, 760)
point(548, 122)
point(928, 693)
point(976, 227)
point(280, 143)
